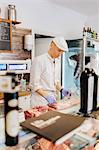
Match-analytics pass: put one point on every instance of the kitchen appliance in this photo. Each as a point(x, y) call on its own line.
point(17, 66)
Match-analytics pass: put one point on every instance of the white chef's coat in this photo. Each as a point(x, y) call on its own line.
point(45, 72)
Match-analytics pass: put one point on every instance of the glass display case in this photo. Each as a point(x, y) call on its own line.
point(82, 53)
point(71, 66)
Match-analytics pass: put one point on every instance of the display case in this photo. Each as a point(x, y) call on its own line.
point(82, 53)
point(71, 64)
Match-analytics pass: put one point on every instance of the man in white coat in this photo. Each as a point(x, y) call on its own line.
point(44, 77)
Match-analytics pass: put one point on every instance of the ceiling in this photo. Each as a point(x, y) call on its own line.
point(84, 7)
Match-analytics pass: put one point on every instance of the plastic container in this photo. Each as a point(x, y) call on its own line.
point(28, 42)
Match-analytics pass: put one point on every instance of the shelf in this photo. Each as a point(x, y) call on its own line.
point(21, 93)
point(7, 20)
point(92, 39)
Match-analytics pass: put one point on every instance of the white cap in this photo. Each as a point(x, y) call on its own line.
point(60, 43)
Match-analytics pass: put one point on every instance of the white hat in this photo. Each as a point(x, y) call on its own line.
point(60, 43)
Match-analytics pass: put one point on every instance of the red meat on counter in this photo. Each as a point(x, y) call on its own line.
point(47, 145)
point(36, 111)
point(64, 104)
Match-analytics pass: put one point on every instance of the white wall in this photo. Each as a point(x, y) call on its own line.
point(42, 45)
point(94, 22)
point(45, 18)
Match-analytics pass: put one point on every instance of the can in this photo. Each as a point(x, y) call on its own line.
point(12, 12)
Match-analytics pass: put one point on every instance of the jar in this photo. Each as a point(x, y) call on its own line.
point(11, 12)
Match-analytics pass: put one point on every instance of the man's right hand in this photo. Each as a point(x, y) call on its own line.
point(50, 98)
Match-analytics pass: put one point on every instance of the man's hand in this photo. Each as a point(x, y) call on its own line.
point(50, 98)
point(65, 93)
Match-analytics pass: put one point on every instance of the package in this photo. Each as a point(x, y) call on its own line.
point(79, 141)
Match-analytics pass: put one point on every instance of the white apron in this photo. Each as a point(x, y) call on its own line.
point(44, 75)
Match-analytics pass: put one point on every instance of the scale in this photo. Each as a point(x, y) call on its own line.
point(17, 66)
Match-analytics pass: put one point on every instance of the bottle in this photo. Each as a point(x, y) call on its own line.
point(94, 35)
point(88, 32)
point(88, 86)
point(84, 31)
point(11, 114)
point(23, 84)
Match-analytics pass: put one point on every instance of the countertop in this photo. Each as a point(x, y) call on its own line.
point(21, 93)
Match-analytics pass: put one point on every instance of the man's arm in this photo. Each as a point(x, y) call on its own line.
point(50, 98)
point(42, 92)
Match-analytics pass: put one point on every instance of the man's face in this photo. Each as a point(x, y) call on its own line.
point(56, 52)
